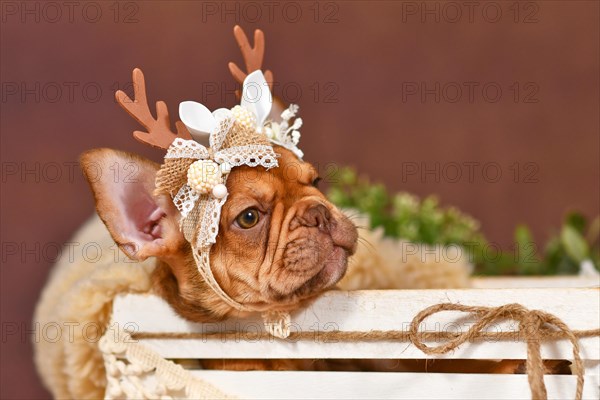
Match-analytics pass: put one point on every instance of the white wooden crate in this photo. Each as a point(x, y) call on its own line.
point(363, 311)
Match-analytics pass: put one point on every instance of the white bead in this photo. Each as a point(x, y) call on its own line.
point(219, 191)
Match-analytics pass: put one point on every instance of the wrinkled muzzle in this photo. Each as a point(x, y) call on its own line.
point(316, 246)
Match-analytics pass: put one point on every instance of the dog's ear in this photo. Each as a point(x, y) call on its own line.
point(141, 224)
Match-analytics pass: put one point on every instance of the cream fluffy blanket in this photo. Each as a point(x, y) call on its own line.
point(75, 305)
point(77, 301)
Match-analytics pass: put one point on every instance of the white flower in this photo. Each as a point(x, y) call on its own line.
point(255, 107)
point(297, 124)
point(290, 113)
point(283, 134)
point(295, 137)
point(272, 130)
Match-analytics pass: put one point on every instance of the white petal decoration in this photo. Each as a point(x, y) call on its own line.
point(256, 96)
point(221, 114)
point(198, 119)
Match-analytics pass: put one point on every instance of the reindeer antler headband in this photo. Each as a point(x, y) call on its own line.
point(207, 145)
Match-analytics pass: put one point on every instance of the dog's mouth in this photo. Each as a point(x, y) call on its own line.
point(332, 271)
point(308, 285)
point(315, 257)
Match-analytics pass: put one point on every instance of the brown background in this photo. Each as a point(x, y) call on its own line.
point(359, 55)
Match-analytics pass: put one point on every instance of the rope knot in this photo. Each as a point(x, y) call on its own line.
point(530, 325)
point(532, 329)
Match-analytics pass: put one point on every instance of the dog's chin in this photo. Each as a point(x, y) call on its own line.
point(332, 271)
point(325, 277)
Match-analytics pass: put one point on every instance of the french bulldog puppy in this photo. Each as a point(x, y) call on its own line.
point(280, 240)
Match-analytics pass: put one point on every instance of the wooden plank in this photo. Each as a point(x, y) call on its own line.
point(514, 282)
point(186, 348)
point(374, 309)
point(369, 385)
point(363, 311)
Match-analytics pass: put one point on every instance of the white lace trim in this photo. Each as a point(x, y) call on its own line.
point(129, 363)
point(209, 223)
point(185, 200)
point(225, 121)
point(252, 155)
point(181, 148)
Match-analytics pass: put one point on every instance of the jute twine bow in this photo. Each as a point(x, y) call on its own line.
point(534, 326)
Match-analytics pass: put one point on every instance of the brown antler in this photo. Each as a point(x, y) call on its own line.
point(159, 132)
point(253, 56)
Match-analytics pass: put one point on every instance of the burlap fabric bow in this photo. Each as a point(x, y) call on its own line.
point(233, 143)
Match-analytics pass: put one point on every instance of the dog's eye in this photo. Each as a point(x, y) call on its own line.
point(315, 183)
point(248, 218)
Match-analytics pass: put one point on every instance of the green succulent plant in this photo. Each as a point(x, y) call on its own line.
point(404, 215)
